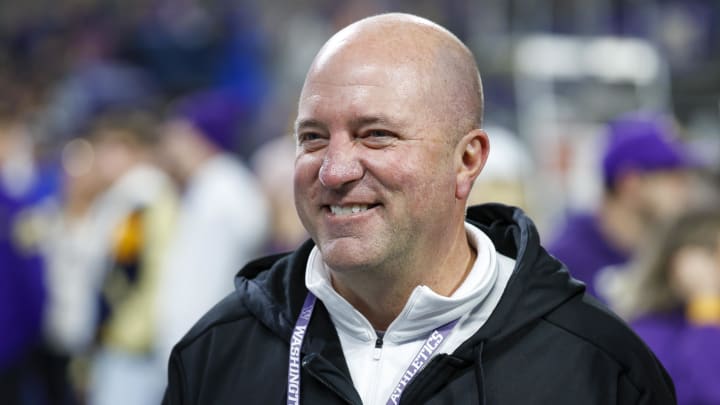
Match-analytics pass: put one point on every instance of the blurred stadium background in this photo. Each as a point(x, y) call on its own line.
point(554, 72)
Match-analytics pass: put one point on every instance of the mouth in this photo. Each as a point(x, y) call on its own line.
point(350, 209)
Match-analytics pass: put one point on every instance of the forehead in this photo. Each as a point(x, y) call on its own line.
point(351, 88)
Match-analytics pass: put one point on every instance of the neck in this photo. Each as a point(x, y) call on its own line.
point(382, 297)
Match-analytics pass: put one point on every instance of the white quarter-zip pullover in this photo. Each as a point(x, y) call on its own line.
point(377, 363)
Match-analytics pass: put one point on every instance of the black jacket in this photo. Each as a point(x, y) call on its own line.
point(545, 343)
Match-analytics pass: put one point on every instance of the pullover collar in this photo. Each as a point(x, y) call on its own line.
point(424, 311)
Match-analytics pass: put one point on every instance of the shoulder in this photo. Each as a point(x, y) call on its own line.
point(587, 319)
point(241, 344)
point(260, 300)
point(225, 355)
point(228, 332)
point(230, 312)
point(591, 324)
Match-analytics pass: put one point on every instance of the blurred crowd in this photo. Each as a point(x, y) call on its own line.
point(146, 155)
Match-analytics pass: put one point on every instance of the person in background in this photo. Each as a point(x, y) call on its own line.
point(671, 294)
point(223, 218)
point(506, 174)
point(273, 164)
point(103, 253)
point(22, 279)
point(404, 296)
point(646, 181)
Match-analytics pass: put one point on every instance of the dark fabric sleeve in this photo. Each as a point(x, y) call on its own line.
point(629, 394)
point(174, 394)
point(643, 380)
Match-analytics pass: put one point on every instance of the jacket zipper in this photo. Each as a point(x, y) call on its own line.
point(377, 352)
point(376, 357)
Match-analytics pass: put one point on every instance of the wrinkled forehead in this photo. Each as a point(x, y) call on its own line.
point(366, 71)
point(402, 79)
point(351, 88)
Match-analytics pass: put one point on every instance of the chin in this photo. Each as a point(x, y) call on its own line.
point(344, 263)
point(346, 256)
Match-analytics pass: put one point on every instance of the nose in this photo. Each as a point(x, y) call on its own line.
point(340, 164)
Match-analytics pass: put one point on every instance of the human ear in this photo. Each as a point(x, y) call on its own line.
point(471, 154)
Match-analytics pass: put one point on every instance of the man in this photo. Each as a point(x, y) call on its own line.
point(415, 304)
point(103, 249)
point(22, 282)
point(222, 220)
point(507, 173)
point(646, 179)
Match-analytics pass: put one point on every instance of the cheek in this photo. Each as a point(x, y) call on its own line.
point(423, 183)
point(305, 175)
point(670, 198)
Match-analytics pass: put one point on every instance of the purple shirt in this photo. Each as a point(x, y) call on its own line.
point(690, 354)
point(584, 249)
point(22, 290)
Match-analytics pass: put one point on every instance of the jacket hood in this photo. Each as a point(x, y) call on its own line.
point(273, 288)
point(539, 282)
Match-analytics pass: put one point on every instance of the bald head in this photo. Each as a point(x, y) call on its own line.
point(418, 56)
point(388, 127)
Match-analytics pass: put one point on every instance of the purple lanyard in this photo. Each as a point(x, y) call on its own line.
point(293, 390)
point(431, 345)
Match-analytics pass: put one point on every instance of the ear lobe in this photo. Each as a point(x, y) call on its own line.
point(472, 154)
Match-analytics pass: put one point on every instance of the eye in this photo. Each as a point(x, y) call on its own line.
point(308, 136)
point(311, 141)
point(378, 133)
point(377, 138)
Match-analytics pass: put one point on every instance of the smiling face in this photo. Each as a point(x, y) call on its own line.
point(376, 171)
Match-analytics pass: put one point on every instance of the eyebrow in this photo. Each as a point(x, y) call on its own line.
point(354, 123)
point(370, 120)
point(308, 123)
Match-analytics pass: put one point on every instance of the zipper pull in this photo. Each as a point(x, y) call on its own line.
point(378, 348)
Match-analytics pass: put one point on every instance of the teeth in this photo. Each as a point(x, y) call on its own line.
point(348, 209)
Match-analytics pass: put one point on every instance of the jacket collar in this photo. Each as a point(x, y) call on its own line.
point(424, 311)
point(273, 288)
point(539, 283)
